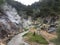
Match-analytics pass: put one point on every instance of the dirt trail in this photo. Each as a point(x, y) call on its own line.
point(48, 36)
point(18, 40)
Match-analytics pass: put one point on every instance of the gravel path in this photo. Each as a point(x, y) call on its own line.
point(18, 40)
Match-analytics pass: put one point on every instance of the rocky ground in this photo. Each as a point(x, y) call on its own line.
point(45, 34)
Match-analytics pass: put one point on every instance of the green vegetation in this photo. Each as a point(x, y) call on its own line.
point(38, 9)
point(50, 7)
point(1, 1)
point(57, 41)
point(35, 38)
point(25, 29)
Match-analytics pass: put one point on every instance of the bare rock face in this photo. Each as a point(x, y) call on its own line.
point(10, 21)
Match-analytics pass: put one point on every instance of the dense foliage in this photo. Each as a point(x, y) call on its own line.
point(1, 1)
point(50, 6)
point(16, 4)
point(37, 9)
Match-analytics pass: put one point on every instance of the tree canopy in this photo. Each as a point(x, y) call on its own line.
point(46, 7)
point(50, 6)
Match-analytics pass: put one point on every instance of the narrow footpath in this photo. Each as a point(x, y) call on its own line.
point(18, 40)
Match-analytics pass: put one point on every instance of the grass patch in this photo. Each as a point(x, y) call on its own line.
point(37, 38)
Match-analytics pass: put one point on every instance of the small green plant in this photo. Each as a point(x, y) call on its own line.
point(36, 38)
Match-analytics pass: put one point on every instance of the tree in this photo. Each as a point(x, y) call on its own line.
point(29, 12)
point(49, 6)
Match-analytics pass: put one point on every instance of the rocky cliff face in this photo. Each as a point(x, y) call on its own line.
point(10, 21)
